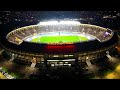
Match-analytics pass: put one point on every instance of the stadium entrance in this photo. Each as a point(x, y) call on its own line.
point(60, 60)
point(65, 62)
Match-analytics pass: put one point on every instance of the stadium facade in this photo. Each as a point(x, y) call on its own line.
point(17, 44)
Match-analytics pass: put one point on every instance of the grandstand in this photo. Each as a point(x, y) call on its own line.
point(54, 43)
point(21, 34)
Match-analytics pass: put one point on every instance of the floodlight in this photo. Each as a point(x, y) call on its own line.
point(59, 22)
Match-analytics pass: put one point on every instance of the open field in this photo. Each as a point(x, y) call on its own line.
point(59, 39)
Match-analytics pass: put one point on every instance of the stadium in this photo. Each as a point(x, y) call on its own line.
point(59, 43)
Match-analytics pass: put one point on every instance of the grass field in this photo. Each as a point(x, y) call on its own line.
point(59, 39)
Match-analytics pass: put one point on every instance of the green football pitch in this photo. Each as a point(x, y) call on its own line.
point(58, 39)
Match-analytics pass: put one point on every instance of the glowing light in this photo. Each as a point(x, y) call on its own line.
point(61, 60)
point(70, 22)
point(57, 22)
point(60, 48)
point(86, 57)
point(48, 23)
